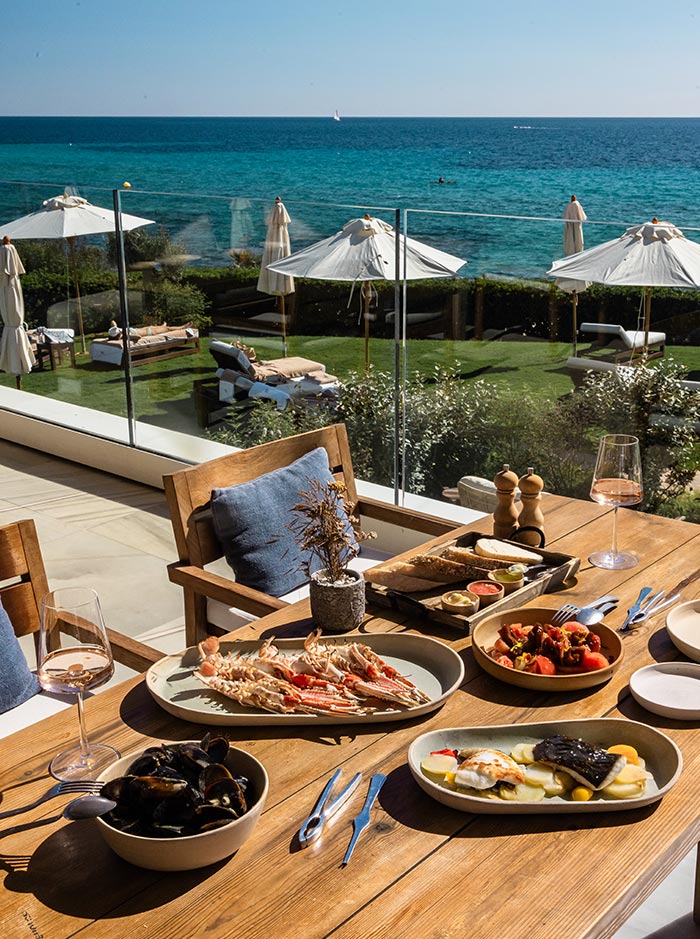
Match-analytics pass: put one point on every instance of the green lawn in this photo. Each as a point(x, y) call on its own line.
point(163, 390)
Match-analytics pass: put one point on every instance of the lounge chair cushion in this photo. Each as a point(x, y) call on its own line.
point(631, 338)
point(17, 683)
point(251, 521)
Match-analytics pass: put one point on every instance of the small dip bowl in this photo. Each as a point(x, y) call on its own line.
point(510, 580)
point(460, 601)
point(487, 591)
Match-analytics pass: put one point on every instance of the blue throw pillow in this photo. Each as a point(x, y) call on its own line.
point(251, 522)
point(17, 683)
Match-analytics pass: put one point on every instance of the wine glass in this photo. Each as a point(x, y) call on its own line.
point(75, 656)
point(617, 480)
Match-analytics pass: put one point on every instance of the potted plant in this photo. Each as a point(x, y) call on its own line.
point(322, 525)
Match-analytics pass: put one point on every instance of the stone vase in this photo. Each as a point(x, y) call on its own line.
point(337, 607)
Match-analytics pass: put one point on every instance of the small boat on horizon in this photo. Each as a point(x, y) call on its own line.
point(336, 116)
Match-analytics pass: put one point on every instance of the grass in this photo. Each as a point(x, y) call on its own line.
point(163, 391)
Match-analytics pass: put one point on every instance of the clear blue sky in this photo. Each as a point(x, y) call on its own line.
point(365, 57)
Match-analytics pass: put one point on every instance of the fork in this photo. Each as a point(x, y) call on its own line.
point(61, 788)
point(571, 611)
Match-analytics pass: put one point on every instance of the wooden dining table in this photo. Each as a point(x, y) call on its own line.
point(421, 869)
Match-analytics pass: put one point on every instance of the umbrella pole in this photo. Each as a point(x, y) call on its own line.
point(647, 318)
point(79, 304)
point(284, 327)
point(574, 305)
point(366, 289)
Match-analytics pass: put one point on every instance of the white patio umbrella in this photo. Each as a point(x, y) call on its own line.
point(69, 217)
point(655, 254)
point(365, 250)
point(16, 356)
point(277, 246)
point(574, 216)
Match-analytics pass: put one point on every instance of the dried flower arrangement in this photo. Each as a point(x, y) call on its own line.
point(320, 525)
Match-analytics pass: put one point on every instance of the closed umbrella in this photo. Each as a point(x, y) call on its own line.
point(365, 250)
point(573, 217)
point(69, 217)
point(277, 247)
point(16, 356)
point(654, 254)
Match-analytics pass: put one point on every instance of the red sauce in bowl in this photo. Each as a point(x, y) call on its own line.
point(481, 588)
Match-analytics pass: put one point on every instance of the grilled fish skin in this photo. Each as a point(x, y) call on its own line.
point(591, 765)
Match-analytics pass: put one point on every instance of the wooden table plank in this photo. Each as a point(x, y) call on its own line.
point(420, 867)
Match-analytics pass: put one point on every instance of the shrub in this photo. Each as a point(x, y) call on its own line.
point(175, 302)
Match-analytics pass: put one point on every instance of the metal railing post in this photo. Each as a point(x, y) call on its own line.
point(124, 310)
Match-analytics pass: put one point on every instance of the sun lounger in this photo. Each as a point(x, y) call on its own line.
point(147, 344)
point(627, 343)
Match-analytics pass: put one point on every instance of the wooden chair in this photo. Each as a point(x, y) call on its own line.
point(21, 563)
point(189, 496)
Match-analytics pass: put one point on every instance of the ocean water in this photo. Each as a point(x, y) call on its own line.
point(210, 180)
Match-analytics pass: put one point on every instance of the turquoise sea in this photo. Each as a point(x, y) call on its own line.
point(622, 170)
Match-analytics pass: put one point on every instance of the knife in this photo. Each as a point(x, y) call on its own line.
point(636, 606)
point(651, 609)
point(361, 821)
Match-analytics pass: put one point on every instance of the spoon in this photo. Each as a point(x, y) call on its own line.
point(589, 616)
point(80, 808)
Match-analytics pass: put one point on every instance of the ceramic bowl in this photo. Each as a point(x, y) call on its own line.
point(485, 634)
point(190, 851)
point(486, 599)
point(465, 609)
point(683, 624)
point(511, 581)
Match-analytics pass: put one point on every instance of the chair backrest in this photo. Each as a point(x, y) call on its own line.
point(22, 576)
point(189, 491)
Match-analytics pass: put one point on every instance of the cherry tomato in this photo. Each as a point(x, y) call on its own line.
point(592, 661)
point(504, 660)
point(541, 665)
point(447, 752)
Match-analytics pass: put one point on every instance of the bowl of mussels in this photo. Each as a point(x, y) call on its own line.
point(181, 806)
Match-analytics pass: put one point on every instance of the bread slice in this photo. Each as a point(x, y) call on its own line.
point(440, 569)
point(500, 551)
point(470, 558)
point(395, 577)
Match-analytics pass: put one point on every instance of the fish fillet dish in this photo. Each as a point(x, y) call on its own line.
point(324, 678)
point(567, 767)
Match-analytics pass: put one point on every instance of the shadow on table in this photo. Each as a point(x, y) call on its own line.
point(74, 873)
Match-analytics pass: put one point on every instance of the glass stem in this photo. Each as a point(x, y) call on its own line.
point(84, 745)
point(613, 550)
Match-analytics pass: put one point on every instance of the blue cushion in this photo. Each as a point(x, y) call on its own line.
point(17, 683)
point(251, 522)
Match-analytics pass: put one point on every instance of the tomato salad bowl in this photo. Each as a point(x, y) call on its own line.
point(499, 643)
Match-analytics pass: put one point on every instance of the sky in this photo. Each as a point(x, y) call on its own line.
point(471, 58)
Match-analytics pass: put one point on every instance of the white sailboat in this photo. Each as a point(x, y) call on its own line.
point(336, 116)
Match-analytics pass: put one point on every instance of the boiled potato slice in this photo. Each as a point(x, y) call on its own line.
point(437, 764)
point(523, 753)
point(537, 774)
point(630, 782)
point(523, 792)
point(631, 774)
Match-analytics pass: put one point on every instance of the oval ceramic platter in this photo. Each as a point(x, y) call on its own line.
point(662, 757)
point(433, 667)
point(485, 634)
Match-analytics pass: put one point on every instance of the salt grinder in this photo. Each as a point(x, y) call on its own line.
point(531, 486)
point(505, 518)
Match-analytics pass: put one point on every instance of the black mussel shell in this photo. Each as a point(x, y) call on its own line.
point(156, 787)
point(175, 812)
point(226, 793)
point(192, 758)
point(168, 772)
point(118, 789)
point(244, 783)
point(166, 831)
point(216, 748)
point(212, 814)
point(211, 774)
point(123, 821)
point(146, 765)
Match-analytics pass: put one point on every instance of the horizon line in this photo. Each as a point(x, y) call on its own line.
point(393, 117)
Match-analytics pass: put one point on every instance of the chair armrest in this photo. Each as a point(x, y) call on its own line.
point(227, 591)
point(132, 653)
point(405, 518)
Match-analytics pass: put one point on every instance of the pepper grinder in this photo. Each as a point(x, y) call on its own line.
point(505, 518)
point(531, 486)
